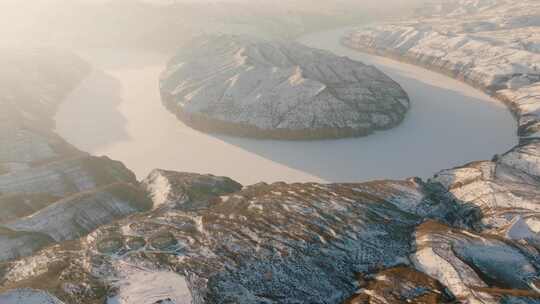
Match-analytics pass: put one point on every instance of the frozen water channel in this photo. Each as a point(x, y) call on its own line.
point(117, 112)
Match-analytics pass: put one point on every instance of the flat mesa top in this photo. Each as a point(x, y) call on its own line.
point(278, 89)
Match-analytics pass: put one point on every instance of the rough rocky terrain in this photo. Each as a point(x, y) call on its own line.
point(294, 243)
point(470, 234)
point(255, 88)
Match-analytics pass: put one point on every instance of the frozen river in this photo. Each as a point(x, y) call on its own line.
point(117, 112)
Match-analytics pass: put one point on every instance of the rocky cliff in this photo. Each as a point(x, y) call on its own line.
point(250, 87)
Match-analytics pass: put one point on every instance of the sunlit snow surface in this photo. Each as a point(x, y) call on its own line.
point(119, 113)
point(145, 287)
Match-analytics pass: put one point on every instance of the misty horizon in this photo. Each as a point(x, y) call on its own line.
point(276, 152)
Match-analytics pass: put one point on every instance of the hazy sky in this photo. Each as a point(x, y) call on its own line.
point(61, 21)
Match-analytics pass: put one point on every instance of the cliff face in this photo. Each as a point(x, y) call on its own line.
point(249, 87)
point(506, 191)
point(266, 243)
point(476, 268)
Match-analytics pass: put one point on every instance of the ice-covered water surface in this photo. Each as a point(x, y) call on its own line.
point(119, 114)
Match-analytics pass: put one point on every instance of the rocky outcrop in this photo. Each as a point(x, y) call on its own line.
point(290, 243)
point(476, 268)
point(186, 190)
point(266, 243)
point(18, 205)
point(525, 102)
point(248, 87)
point(506, 191)
point(63, 200)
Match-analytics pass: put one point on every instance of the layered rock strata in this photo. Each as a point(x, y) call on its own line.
point(291, 243)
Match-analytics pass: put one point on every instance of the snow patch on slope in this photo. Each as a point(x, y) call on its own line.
point(159, 188)
point(147, 287)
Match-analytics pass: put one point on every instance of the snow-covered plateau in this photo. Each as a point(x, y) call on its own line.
point(470, 234)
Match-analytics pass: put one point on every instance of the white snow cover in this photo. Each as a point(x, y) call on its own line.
point(159, 188)
point(137, 286)
point(429, 262)
point(508, 198)
point(525, 158)
point(448, 255)
point(527, 102)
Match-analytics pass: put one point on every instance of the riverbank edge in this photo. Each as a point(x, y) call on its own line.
point(512, 105)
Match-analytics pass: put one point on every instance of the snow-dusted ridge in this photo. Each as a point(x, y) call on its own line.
point(499, 55)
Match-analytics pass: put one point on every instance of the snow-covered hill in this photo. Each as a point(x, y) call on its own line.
point(250, 87)
point(48, 187)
